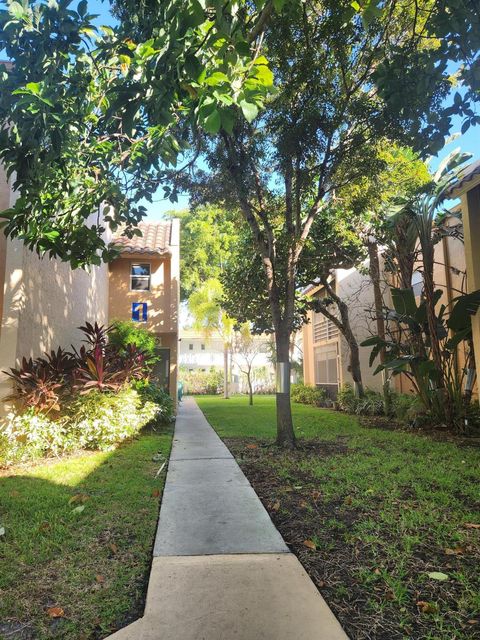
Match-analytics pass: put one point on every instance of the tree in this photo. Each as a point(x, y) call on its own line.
point(205, 306)
point(91, 119)
point(98, 122)
point(207, 235)
point(315, 136)
point(246, 348)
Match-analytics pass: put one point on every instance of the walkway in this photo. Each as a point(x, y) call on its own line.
point(221, 571)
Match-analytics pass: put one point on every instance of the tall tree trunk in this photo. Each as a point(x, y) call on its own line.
point(345, 328)
point(250, 387)
point(374, 271)
point(225, 371)
point(285, 432)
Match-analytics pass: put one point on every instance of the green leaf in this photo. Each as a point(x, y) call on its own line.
point(438, 575)
point(213, 122)
point(16, 10)
point(228, 120)
point(82, 8)
point(249, 110)
point(404, 302)
point(79, 509)
point(242, 48)
point(218, 77)
point(465, 306)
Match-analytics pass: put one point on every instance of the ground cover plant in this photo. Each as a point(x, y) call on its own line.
point(77, 534)
point(386, 522)
point(93, 397)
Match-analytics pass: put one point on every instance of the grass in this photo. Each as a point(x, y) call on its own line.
point(78, 538)
point(383, 509)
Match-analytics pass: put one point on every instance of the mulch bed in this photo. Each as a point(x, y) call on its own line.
point(295, 504)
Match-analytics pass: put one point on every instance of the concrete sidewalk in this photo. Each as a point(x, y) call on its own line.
point(221, 570)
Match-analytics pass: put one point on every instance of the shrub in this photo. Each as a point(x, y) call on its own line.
point(102, 420)
point(406, 407)
point(372, 403)
point(149, 391)
point(306, 394)
point(125, 332)
point(94, 421)
point(202, 382)
point(32, 435)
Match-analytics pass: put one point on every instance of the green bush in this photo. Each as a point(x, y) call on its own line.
point(406, 407)
point(125, 332)
point(372, 403)
point(32, 435)
point(150, 391)
point(101, 420)
point(306, 394)
point(202, 382)
point(94, 421)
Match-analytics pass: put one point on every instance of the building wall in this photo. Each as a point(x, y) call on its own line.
point(162, 307)
point(44, 303)
point(162, 299)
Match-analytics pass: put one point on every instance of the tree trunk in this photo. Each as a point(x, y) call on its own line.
point(250, 388)
point(225, 372)
point(374, 271)
point(344, 326)
point(285, 432)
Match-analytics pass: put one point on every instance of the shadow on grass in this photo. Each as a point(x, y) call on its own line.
point(78, 538)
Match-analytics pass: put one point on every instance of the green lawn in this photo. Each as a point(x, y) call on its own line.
point(380, 511)
point(78, 537)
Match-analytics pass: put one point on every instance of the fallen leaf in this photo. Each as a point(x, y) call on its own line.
point(14, 493)
point(45, 526)
point(471, 525)
point(303, 504)
point(79, 509)
point(252, 446)
point(310, 544)
point(56, 612)
point(438, 575)
point(321, 584)
point(155, 493)
point(426, 607)
point(99, 578)
point(389, 595)
point(457, 551)
point(472, 621)
point(348, 500)
point(113, 547)
point(79, 497)
point(377, 571)
point(316, 495)
point(276, 505)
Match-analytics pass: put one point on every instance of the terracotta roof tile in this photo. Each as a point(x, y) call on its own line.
point(155, 239)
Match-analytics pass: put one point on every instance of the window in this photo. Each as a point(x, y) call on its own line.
point(190, 347)
point(326, 366)
point(323, 329)
point(203, 347)
point(140, 277)
point(417, 283)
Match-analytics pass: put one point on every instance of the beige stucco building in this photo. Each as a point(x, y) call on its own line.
point(44, 301)
point(144, 285)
